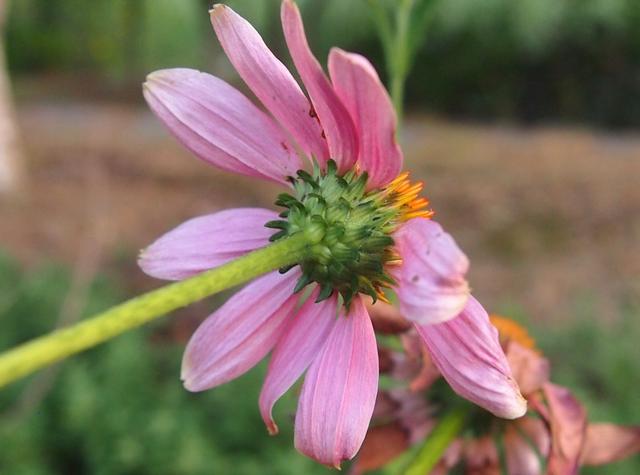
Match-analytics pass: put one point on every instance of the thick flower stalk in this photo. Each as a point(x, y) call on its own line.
point(553, 438)
point(367, 226)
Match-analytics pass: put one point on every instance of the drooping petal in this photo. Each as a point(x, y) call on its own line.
point(536, 431)
point(431, 280)
point(338, 126)
point(520, 456)
point(301, 342)
point(240, 333)
point(219, 124)
point(608, 443)
point(529, 369)
point(568, 421)
point(359, 87)
point(467, 352)
point(339, 391)
point(206, 242)
point(269, 79)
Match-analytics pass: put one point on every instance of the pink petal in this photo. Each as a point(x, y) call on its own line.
point(607, 443)
point(219, 124)
point(522, 459)
point(342, 137)
point(568, 421)
point(269, 79)
point(431, 280)
point(529, 369)
point(240, 333)
point(360, 89)
point(339, 391)
point(302, 340)
point(206, 242)
point(535, 430)
point(467, 352)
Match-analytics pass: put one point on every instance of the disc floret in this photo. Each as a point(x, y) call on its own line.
point(349, 227)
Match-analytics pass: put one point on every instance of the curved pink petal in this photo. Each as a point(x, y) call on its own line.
point(339, 391)
point(269, 79)
point(339, 129)
point(608, 443)
point(431, 280)
point(300, 344)
point(467, 352)
point(537, 432)
point(520, 455)
point(206, 242)
point(240, 333)
point(219, 124)
point(568, 422)
point(358, 86)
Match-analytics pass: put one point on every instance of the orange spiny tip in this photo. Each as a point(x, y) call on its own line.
point(510, 330)
point(399, 179)
point(403, 196)
point(419, 203)
point(382, 296)
point(426, 214)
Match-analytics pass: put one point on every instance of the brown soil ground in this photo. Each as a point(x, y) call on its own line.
point(549, 217)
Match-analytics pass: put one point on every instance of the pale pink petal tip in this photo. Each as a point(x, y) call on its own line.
point(431, 284)
point(269, 80)
point(339, 391)
point(240, 333)
point(360, 89)
point(302, 340)
point(206, 242)
point(467, 352)
point(219, 124)
point(336, 122)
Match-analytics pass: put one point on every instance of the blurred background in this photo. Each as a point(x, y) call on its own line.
point(522, 117)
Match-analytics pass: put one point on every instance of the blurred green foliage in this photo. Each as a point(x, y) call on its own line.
point(120, 409)
point(527, 60)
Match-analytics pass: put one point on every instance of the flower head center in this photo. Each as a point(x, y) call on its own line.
point(350, 227)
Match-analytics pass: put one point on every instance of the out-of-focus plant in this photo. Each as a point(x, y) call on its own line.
point(401, 26)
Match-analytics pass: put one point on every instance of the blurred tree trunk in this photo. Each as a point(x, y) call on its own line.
point(11, 162)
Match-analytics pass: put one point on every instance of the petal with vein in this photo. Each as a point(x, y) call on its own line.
point(342, 137)
point(219, 124)
point(467, 352)
point(239, 334)
point(431, 280)
point(608, 443)
point(568, 421)
point(301, 342)
point(521, 456)
point(206, 242)
point(339, 391)
point(359, 87)
point(269, 79)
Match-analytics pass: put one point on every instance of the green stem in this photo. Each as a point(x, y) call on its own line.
point(440, 438)
point(43, 351)
point(401, 55)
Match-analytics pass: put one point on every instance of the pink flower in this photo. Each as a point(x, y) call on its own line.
point(372, 218)
point(554, 433)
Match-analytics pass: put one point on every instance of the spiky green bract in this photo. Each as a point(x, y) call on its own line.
point(352, 226)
